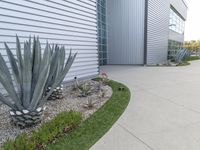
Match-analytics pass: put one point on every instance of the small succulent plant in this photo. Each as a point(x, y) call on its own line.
point(90, 104)
point(85, 90)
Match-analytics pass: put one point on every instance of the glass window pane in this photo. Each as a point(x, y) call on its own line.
point(102, 32)
point(177, 24)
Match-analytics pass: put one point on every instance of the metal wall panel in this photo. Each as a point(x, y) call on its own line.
point(180, 6)
point(125, 19)
point(176, 36)
point(157, 31)
point(72, 23)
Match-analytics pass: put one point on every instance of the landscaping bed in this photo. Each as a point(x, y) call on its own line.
point(71, 101)
point(186, 61)
point(183, 62)
point(67, 131)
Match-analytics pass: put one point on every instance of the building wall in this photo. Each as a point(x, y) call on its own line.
point(71, 23)
point(176, 36)
point(181, 8)
point(157, 31)
point(125, 24)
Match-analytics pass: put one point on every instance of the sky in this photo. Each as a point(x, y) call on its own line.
point(192, 26)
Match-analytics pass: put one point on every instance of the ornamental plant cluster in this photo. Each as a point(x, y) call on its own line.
point(34, 71)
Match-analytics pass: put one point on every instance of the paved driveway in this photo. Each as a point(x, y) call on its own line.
point(164, 111)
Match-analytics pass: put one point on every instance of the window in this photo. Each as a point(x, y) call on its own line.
point(173, 46)
point(176, 23)
point(102, 32)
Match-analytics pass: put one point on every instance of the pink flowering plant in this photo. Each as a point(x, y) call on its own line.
point(104, 78)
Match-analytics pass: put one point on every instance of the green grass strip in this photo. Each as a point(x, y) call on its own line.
point(186, 61)
point(91, 130)
point(191, 58)
point(47, 133)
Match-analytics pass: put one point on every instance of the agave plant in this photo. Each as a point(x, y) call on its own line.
point(56, 69)
point(31, 72)
point(181, 54)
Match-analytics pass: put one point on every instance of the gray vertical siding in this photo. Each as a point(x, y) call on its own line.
point(157, 31)
point(72, 23)
point(125, 19)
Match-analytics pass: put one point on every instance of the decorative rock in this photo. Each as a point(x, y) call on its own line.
point(12, 113)
point(44, 108)
point(39, 109)
point(25, 111)
point(18, 113)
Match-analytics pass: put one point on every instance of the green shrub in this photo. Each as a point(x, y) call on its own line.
point(46, 134)
point(191, 58)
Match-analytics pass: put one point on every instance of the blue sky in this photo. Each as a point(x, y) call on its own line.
point(192, 28)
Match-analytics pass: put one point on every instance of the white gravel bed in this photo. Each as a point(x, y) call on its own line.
point(71, 101)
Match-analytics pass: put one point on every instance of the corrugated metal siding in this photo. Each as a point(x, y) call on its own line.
point(72, 23)
point(157, 31)
point(125, 19)
point(180, 6)
point(176, 36)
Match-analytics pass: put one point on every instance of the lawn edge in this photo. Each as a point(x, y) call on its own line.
point(80, 137)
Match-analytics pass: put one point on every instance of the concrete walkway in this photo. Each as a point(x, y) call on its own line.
point(164, 111)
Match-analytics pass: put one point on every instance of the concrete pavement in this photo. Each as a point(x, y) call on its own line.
point(164, 110)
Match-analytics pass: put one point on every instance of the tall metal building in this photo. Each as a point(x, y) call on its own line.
point(142, 31)
point(101, 31)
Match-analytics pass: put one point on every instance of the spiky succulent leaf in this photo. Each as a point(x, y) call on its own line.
point(62, 58)
point(45, 57)
point(62, 75)
point(37, 96)
point(6, 81)
point(20, 64)
point(7, 102)
point(53, 68)
point(58, 68)
point(36, 62)
point(67, 66)
point(18, 52)
point(27, 74)
point(14, 66)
